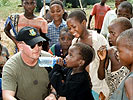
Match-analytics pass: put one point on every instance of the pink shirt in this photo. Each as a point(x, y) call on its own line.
point(38, 22)
point(99, 12)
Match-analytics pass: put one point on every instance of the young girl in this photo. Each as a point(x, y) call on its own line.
point(110, 68)
point(73, 81)
point(77, 26)
point(61, 49)
point(54, 27)
point(28, 18)
point(124, 45)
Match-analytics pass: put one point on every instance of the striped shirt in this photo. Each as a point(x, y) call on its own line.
point(54, 32)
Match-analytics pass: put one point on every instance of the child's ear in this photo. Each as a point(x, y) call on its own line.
point(82, 62)
point(84, 23)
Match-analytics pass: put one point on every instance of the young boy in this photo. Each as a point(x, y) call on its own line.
point(125, 10)
point(56, 12)
point(99, 10)
point(73, 81)
point(28, 18)
point(124, 45)
point(61, 49)
point(110, 68)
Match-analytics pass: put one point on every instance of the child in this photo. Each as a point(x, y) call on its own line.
point(76, 22)
point(61, 49)
point(73, 81)
point(56, 12)
point(124, 45)
point(99, 10)
point(110, 68)
point(110, 15)
point(28, 18)
point(125, 10)
point(2, 60)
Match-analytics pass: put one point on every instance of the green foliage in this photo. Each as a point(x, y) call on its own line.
point(68, 5)
point(131, 1)
point(4, 2)
point(10, 7)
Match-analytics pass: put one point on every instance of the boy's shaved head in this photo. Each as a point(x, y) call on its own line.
point(127, 37)
point(123, 22)
point(126, 5)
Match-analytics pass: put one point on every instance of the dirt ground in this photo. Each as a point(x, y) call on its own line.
point(5, 40)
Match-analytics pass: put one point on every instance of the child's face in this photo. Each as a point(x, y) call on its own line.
point(75, 27)
point(114, 30)
point(117, 2)
point(56, 12)
point(73, 58)
point(65, 40)
point(29, 5)
point(122, 12)
point(125, 54)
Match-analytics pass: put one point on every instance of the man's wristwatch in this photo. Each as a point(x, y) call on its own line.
point(55, 94)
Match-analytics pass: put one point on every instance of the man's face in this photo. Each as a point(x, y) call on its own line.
point(32, 53)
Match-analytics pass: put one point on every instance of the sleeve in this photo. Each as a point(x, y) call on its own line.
point(104, 30)
point(93, 12)
point(52, 50)
point(9, 77)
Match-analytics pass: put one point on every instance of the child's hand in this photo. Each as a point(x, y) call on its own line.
point(102, 52)
point(60, 61)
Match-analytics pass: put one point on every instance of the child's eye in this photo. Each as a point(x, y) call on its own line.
point(63, 39)
point(58, 10)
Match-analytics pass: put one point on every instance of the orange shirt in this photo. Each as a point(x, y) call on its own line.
point(38, 22)
point(99, 12)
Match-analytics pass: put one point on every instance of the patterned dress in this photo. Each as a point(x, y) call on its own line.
point(114, 79)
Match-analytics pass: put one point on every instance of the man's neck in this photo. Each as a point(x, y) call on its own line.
point(29, 61)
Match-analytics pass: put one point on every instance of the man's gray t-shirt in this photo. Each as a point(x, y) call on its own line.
point(29, 83)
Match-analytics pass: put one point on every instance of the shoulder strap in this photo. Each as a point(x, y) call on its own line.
point(13, 20)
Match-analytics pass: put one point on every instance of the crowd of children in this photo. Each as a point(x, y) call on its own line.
point(91, 64)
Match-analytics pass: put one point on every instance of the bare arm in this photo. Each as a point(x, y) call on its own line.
point(129, 88)
point(89, 21)
point(102, 54)
point(8, 95)
point(7, 31)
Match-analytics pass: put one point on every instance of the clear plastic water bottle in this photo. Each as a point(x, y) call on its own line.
point(47, 61)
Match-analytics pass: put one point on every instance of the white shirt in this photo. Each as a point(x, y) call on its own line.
point(110, 15)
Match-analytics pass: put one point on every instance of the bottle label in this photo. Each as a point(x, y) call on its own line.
point(47, 61)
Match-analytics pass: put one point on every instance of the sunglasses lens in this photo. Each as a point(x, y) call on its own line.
point(39, 44)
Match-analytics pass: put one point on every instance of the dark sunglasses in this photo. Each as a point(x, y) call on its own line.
point(39, 44)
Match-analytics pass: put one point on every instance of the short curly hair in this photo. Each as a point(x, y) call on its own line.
point(86, 52)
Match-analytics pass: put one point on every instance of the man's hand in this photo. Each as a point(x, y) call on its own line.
point(50, 97)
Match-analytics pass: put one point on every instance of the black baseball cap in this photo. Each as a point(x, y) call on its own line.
point(29, 35)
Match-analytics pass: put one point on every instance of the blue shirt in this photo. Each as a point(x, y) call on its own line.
point(119, 93)
point(54, 32)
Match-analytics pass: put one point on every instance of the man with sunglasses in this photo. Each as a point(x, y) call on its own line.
point(22, 77)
